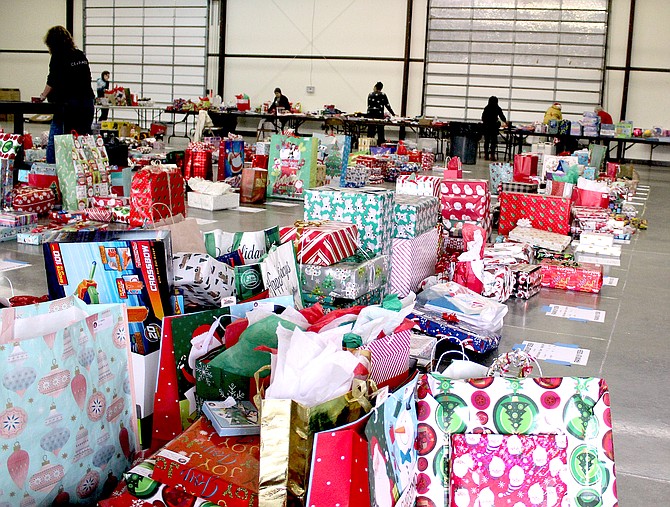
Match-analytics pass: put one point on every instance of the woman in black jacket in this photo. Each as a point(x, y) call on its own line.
point(69, 86)
point(491, 127)
point(279, 101)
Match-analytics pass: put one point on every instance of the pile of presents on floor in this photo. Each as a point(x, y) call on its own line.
point(277, 367)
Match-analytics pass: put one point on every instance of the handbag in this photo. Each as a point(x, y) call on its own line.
point(71, 359)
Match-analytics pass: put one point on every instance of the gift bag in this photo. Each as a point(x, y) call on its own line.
point(202, 278)
point(9, 145)
point(333, 154)
point(391, 432)
point(253, 185)
point(252, 244)
point(231, 159)
point(499, 172)
point(333, 479)
point(198, 161)
point(597, 155)
point(280, 273)
point(185, 234)
point(156, 192)
point(68, 419)
point(525, 166)
point(454, 169)
point(292, 166)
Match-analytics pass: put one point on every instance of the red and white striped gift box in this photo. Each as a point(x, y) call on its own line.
point(412, 261)
point(390, 355)
point(418, 184)
point(322, 243)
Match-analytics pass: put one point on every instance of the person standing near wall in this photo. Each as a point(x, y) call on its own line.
point(102, 85)
point(491, 127)
point(69, 86)
point(377, 101)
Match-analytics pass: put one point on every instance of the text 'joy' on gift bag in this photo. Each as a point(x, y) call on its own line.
point(68, 415)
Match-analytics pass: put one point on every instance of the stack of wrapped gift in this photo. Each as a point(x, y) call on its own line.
point(570, 275)
point(589, 219)
point(465, 201)
point(545, 212)
point(598, 244)
point(370, 209)
point(500, 260)
point(415, 242)
point(109, 209)
point(540, 238)
point(14, 222)
point(418, 184)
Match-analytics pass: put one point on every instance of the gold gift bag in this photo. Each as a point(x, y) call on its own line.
point(287, 434)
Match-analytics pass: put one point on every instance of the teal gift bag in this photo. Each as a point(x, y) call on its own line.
point(67, 421)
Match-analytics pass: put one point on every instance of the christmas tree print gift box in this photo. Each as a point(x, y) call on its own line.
point(370, 209)
point(415, 215)
point(576, 410)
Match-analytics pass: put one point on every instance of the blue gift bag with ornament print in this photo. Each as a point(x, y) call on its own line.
point(67, 419)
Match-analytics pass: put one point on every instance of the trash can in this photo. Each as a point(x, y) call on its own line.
point(464, 141)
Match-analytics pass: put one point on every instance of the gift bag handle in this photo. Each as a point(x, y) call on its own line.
point(260, 390)
point(434, 348)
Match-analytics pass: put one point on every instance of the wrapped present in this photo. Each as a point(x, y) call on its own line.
point(540, 238)
point(517, 186)
point(231, 159)
point(435, 324)
point(418, 184)
point(549, 213)
point(529, 468)
point(198, 161)
point(47, 179)
point(156, 192)
point(369, 208)
point(355, 176)
point(454, 228)
point(591, 219)
point(389, 354)
point(37, 235)
point(109, 202)
point(415, 215)
point(203, 464)
point(292, 167)
point(509, 253)
point(330, 303)
point(499, 173)
point(253, 185)
point(11, 233)
point(17, 218)
point(213, 202)
point(465, 199)
point(33, 199)
point(99, 214)
point(543, 253)
point(569, 275)
point(349, 279)
point(427, 160)
point(322, 243)
point(412, 261)
point(498, 282)
point(203, 279)
point(527, 280)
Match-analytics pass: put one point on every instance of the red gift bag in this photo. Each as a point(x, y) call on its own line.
point(339, 473)
point(156, 192)
point(590, 198)
point(198, 164)
point(454, 169)
point(525, 166)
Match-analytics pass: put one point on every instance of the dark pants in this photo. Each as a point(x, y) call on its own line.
point(377, 130)
point(490, 144)
point(104, 113)
point(77, 115)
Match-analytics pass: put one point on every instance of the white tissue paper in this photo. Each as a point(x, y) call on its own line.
point(374, 320)
point(311, 368)
point(207, 187)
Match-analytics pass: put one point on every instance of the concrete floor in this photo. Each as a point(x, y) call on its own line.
point(630, 349)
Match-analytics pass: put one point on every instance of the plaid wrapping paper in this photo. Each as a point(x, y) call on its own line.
point(321, 243)
point(390, 355)
point(350, 279)
point(499, 172)
point(412, 261)
point(418, 184)
point(517, 186)
point(545, 212)
point(464, 199)
point(539, 238)
point(414, 215)
point(370, 208)
point(527, 280)
point(570, 275)
point(156, 192)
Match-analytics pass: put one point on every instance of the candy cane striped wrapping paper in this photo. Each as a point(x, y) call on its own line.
point(390, 355)
point(322, 243)
point(413, 260)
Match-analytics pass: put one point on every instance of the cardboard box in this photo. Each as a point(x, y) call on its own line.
point(213, 202)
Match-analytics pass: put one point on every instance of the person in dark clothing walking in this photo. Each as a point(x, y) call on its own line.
point(69, 86)
point(377, 101)
point(102, 85)
point(491, 127)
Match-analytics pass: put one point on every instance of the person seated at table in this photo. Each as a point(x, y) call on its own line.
point(604, 116)
point(102, 85)
point(280, 100)
point(377, 101)
point(491, 127)
point(553, 113)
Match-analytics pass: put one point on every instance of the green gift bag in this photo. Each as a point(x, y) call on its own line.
point(213, 383)
point(65, 170)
